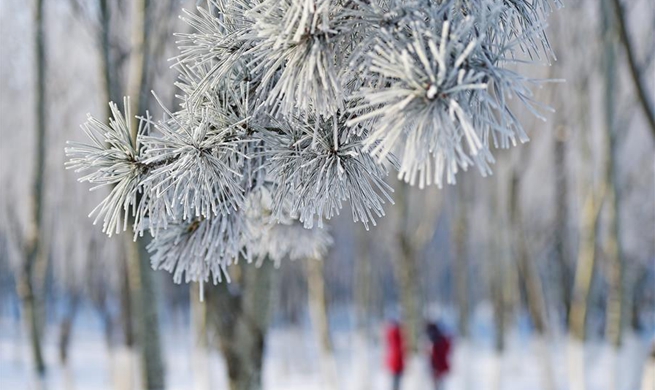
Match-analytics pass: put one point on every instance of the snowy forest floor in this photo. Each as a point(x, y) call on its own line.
point(291, 362)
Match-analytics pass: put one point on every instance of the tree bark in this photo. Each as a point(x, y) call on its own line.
point(66, 328)
point(32, 270)
point(363, 291)
point(318, 310)
point(527, 271)
point(141, 276)
point(461, 267)
point(561, 220)
point(586, 265)
point(239, 312)
point(406, 274)
point(144, 306)
point(362, 283)
point(614, 312)
point(529, 277)
point(644, 97)
point(198, 309)
point(109, 71)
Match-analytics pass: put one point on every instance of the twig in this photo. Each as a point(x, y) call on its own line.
point(639, 82)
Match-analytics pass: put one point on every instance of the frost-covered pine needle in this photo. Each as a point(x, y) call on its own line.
point(289, 109)
point(114, 158)
point(320, 165)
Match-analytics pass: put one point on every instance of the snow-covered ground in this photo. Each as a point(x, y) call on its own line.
point(292, 363)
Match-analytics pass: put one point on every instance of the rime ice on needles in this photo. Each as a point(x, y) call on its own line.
point(215, 49)
point(197, 162)
point(436, 91)
point(283, 236)
point(114, 157)
point(295, 56)
point(291, 108)
point(318, 166)
point(199, 249)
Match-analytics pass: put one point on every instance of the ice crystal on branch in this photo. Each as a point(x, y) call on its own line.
point(437, 92)
point(320, 165)
point(290, 109)
point(198, 162)
point(115, 160)
point(201, 248)
point(296, 56)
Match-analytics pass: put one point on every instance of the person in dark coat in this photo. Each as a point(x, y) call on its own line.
point(439, 353)
point(395, 356)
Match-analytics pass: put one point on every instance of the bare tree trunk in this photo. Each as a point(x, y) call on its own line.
point(363, 303)
point(362, 283)
point(66, 327)
point(30, 275)
point(499, 281)
point(586, 265)
point(201, 373)
point(499, 303)
point(406, 273)
point(561, 220)
point(142, 284)
point(461, 267)
point(108, 64)
point(112, 93)
point(239, 312)
point(318, 310)
point(613, 247)
point(615, 306)
point(144, 306)
point(529, 277)
point(527, 271)
point(636, 71)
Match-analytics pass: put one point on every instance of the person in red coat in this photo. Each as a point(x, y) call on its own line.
point(395, 353)
point(439, 352)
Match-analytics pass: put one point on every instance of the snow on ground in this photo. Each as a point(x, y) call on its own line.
point(291, 363)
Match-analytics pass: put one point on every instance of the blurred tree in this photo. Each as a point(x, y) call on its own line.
point(318, 311)
point(613, 248)
point(239, 314)
point(528, 272)
point(460, 233)
point(561, 231)
point(637, 71)
point(141, 279)
point(31, 273)
point(417, 213)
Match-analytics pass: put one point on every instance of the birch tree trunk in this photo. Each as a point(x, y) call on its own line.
point(239, 312)
point(612, 246)
point(32, 269)
point(198, 309)
point(363, 303)
point(461, 267)
point(561, 219)
point(318, 311)
point(529, 277)
point(141, 276)
point(615, 306)
point(406, 274)
point(499, 282)
point(584, 275)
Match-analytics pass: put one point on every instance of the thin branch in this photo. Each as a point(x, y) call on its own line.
point(635, 72)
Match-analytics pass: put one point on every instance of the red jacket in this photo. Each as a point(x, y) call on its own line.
point(395, 349)
point(439, 356)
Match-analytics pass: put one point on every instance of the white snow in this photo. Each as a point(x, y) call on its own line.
point(292, 363)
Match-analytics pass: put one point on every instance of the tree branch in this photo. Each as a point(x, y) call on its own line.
point(635, 72)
